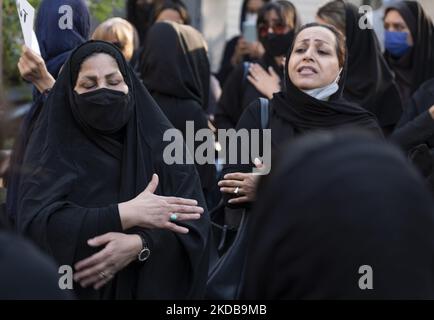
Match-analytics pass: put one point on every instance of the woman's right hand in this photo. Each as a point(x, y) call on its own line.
point(32, 68)
point(148, 210)
point(254, 50)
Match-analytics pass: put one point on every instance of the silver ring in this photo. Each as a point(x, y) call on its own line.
point(102, 275)
point(236, 190)
point(173, 217)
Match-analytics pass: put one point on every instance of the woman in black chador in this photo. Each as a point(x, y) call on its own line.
point(311, 100)
point(175, 69)
point(99, 195)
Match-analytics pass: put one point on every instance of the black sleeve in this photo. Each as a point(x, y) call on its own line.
point(64, 228)
point(226, 66)
point(408, 114)
point(230, 107)
point(414, 132)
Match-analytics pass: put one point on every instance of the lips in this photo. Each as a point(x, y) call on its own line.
point(307, 70)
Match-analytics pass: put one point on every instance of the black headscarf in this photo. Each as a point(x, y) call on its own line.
point(180, 71)
point(417, 65)
point(305, 113)
point(140, 14)
point(370, 82)
point(80, 172)
point(348, 200)
point(176, 71)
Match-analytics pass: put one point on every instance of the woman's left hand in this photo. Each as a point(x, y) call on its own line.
point(267, 83)
point(242, 184)
point(97, 270)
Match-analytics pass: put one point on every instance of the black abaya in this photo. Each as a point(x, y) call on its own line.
point(417, 66)
point(175, 69)
point(80, 173)
point(370, 83)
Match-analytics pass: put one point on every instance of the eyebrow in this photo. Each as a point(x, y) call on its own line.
point(94, 78)
point(316, 40)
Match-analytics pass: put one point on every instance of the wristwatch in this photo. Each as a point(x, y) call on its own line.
point(145, 252)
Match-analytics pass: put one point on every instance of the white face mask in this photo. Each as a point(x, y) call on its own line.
point(251, 17)
point(324, 93)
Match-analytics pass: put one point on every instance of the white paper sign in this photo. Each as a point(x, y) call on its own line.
point(26, 13)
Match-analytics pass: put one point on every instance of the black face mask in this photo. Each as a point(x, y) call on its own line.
point(277, 44)
point(103, 110)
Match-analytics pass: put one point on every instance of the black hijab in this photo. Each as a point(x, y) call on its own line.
point(140, 13)
point(417, 65)
point(370, 83)
point(81, 171)
point(305, 113)
point(180, 71)
point(348, 200)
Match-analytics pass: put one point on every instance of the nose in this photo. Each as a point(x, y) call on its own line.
point(308, 54)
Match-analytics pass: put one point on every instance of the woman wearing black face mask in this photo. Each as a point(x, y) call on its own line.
point(277, 22)
point(87, 199)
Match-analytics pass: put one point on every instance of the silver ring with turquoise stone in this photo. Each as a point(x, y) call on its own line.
point(173, 217)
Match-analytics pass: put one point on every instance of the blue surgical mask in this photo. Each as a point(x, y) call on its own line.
point(324, 93)
point(396, 43)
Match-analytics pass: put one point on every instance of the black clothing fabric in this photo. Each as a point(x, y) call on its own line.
point(26, 273)
point(226, 66)
point(175, 70)
point(370, 83)
point(417, 66)
point(141, 15)
point(416, 125)
point(334, 204)
point(79, 173)
point(175, 63)
point(238, 93)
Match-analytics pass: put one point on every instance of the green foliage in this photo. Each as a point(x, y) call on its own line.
point(101, 10)
point(13, 38)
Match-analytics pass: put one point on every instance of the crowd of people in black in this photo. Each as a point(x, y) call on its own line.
point(350, 185)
